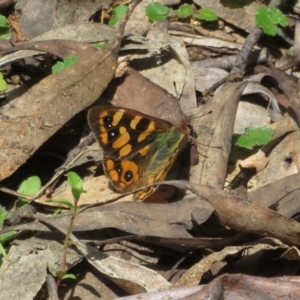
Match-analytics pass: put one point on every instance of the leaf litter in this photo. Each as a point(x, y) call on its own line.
point(187, 245)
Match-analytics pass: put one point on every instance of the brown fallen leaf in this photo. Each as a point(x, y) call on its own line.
point(59, 48)
point(51, 15)
point(231, 287)
point(242, 18)
point(131, 277)
point(28, 122)
point(150, 99)
point(215, 130)
point(24, 128)
point(281, 195)
point(145, 219)
point(34, 256)
point(245, 216)
point(194, 274)
point(289, 86)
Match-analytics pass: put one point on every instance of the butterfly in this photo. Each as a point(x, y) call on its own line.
point(138, 149)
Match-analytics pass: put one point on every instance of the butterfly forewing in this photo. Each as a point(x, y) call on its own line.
point(122, 133)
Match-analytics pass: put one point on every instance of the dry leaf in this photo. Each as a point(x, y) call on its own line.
point(257, 161)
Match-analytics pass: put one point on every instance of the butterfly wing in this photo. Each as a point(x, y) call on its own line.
point(138, 149)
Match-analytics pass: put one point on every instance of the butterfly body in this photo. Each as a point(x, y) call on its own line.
point(138, 149)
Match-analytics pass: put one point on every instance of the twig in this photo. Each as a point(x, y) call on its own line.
point(52, 289)
point(240, 64)
point(251, 40)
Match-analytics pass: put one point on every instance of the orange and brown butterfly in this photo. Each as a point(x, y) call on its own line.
point(138, 149)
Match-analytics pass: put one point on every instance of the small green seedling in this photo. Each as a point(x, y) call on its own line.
point(6, 237)
point(254, 136)
point(75, 183)
point(63, 275)
point(119, 11)
point(67, 62)
point(3, 85)
point(185, 11)
point(207, 15)
point(100, 45)
point(30, 187)
point(3, 214)
point(157, 11)
point(4, 28)
point(268, 19)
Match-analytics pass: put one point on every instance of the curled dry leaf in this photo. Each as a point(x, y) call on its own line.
point(193, 275)
point(232, 287)
point(257, 161)
point(245, 216)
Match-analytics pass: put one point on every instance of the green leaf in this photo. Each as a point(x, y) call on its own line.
point(207, 15)
point(76, 184)
point(119, 12)
point(3, 85)
point(157, 11)
point(64, 275)
point(60, 274)
point(4, 28)
point(2, 250)
point(74, 180)
point(185, 11)
point(63, 202)
point(67, 62)
point(69, 276)
point(3, 214)
point(4, 22)
point(30, 186)
point(100, 45)
point(254, 136)
point(8, 236)
point(277, 17)
point(79, 208)
point(56, 212)
point(268, 18)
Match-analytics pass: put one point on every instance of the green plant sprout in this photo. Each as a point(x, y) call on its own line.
point(3, 85)
point(184, 11)
point(254, 136)
point(64, 275)
point(67, 62)
point(119, 11)
point(207, 15)
point(30, 186)
point(75, 183)
point(99, 45)
point(268, 19)
point(4, 28)
point(7, 236)
point(159, 12)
